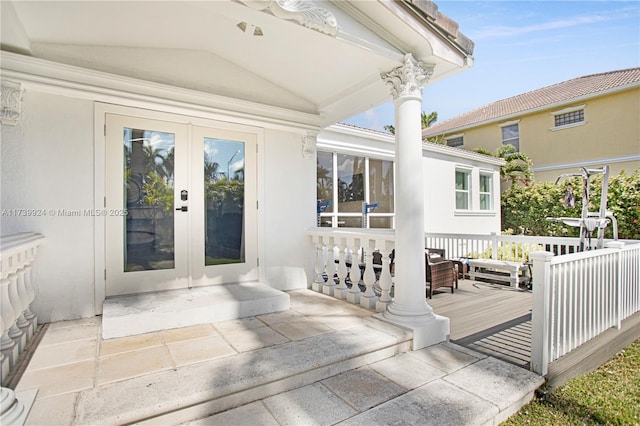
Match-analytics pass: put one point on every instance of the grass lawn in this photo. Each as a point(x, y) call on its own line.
point(608, 396)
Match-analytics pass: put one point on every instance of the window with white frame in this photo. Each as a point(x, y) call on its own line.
point(348, 181)
point(511, 135)
point(568, 117)
point(486, 191)
point(463, 189)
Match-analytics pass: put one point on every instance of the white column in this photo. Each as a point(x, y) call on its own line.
point(409, 307)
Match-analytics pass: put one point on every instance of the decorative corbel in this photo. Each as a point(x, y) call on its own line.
point(309, 145)
point(304, 12)
point(11, 102)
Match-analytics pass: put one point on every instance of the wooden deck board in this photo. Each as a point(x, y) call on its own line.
point(477, 306)
point(493, 319)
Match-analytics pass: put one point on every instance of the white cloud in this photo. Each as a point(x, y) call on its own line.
point(554, 24)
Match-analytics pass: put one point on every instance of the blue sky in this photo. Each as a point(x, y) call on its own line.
point(525, 45)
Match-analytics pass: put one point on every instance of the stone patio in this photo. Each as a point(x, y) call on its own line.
point(324, 361)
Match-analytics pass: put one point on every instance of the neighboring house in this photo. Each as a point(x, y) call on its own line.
point(167, 145)
point(587, 121)
point(355, 165)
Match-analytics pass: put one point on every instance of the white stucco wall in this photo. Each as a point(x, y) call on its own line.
point(289, 201)
point(47, 166)
point(441, 215)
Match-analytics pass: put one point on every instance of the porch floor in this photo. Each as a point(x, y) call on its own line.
point(493, 319)
point(323, 361)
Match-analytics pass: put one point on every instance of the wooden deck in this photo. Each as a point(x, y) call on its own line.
point(494, 319)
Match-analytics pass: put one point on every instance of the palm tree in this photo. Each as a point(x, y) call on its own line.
point(426, 120)
point(517, 167)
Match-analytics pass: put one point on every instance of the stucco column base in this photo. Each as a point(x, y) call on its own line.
point(353, 297)
point(33, 321)
point(4, 363)
point(9, 349)
point(328, 289)
point(18, 336)
point(428, 329)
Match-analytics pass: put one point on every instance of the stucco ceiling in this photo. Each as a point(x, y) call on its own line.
point(198, 45)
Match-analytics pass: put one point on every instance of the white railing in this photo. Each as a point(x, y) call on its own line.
point(17, 322)
point(576, 295)
point(580, 295)
point(345, 268)
point(509, 247)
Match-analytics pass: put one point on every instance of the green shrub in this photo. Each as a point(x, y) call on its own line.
point(512, 252)
point(525, 208)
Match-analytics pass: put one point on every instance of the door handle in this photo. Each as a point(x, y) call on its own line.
point(183, 208)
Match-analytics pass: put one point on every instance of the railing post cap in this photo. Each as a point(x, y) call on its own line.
point(541, 255)
point(614, 244)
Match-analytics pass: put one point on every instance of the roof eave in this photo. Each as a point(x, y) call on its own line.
point(534, 110)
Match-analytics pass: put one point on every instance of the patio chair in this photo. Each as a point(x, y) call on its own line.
point(440, 272)
point(377, 262)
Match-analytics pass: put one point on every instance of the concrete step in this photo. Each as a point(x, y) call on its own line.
point(147, 312)
point(199, 390)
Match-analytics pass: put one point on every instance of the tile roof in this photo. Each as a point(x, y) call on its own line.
point(551, 95)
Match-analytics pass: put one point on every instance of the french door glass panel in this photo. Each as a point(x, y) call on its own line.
point(148, 197)
point(224, 210)
point(224, 201)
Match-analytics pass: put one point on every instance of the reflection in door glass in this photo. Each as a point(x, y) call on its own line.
point(224, 201)
point(148, 197)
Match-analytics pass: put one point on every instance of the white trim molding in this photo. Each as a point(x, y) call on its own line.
point(567, 110)
point(624, 159)
point(509, 123)
point(11, 102)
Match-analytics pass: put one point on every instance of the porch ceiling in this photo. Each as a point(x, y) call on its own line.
point(198, 45)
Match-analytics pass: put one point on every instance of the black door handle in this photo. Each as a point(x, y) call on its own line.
point(183, 208)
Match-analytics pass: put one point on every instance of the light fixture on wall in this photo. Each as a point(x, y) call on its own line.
point(250, 28)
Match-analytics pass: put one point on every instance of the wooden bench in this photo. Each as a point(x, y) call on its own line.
point(495, 270)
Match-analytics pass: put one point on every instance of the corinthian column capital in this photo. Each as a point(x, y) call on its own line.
point(408, 79)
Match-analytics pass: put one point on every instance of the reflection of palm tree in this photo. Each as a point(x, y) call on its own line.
point(154, 159)
point(168, 163)
point(324, 183)
point(210, 170)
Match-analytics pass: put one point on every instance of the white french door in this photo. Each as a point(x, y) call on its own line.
point(180, 205)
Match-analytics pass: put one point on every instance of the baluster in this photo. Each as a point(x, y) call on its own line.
point(7, 346)
point(319, 266)
point(385, 281)
point(354, 293)
point(23, 323)
point(4, 360)
point(30, 316)
point(341, 290)
point(15, 333)
point(330, 284)
point(368, 299)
